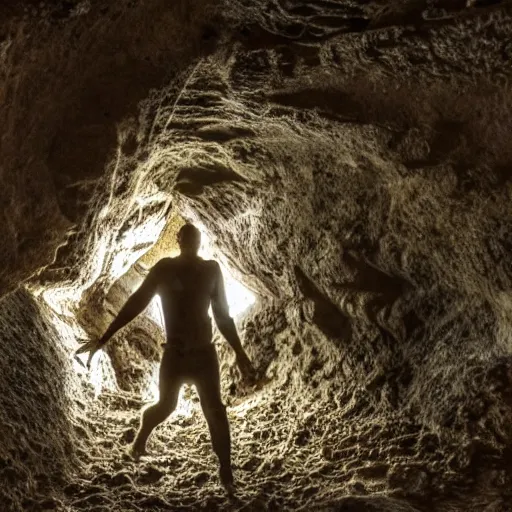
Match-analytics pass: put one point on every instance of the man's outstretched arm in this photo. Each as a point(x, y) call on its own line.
point(136, 304)
point(226, 324)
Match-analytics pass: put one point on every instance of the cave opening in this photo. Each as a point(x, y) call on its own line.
point(65, 302)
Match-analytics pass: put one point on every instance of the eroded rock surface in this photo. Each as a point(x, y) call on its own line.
point(350, 163)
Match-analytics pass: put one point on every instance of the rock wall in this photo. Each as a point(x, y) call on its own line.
point(40, 427)
point(71, 72)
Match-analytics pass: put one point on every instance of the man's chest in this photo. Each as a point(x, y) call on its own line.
point(187, 281)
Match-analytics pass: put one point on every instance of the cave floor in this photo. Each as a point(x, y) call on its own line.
point(284, 459)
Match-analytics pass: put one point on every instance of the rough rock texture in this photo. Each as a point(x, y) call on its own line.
point(351, 163)
point(71, 72)
point(38, 404)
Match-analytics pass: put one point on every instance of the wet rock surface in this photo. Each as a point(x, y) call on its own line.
point(350, 164)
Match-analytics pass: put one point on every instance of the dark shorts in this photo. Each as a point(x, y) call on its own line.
point(198, 366)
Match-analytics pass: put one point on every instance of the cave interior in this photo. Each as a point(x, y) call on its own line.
point(348, 164)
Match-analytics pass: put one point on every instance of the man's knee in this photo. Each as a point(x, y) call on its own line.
point(162, 409)
point(213, 408)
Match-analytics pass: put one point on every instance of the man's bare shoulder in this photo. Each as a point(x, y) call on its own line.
point(212, 265)
point(164, 264)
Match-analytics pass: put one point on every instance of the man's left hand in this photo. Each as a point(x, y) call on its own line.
point(246, 368)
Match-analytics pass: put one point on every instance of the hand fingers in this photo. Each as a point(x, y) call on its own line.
point(79, 361)
point(85, 347)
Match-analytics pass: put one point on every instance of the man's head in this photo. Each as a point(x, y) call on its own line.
point(189, 239)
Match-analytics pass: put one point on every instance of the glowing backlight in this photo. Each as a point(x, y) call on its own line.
point(101, 374)
point(238, 296)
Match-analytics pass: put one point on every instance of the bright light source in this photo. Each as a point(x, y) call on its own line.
point(239, 297)
point(61, 301)
point(133, 244)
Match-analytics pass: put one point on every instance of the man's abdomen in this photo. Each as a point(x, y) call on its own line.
point(191, 334)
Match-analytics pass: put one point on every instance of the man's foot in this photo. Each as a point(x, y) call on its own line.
point(226, 478)
point(136, 451)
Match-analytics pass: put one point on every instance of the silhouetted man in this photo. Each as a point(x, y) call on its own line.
point(187, 285)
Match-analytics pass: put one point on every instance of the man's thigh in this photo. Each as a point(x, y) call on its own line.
point(170, 376)
point(207, 380)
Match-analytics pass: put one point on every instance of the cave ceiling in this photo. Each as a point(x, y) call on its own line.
point(113, 115)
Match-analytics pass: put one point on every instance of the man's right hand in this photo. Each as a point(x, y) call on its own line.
point(92, 347)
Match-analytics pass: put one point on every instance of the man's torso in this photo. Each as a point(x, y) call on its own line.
point(185, 287)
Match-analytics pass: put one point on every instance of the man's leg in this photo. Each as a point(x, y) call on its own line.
point(208, 387)
point(169, 387)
